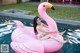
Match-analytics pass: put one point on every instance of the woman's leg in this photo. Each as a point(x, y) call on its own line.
point(59, 40)
point(52, 37)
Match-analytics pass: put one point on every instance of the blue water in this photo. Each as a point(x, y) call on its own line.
point(73, 46)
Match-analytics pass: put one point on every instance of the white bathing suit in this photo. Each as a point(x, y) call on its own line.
point(40, 33)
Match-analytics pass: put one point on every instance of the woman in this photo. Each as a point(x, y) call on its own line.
point(39, 29)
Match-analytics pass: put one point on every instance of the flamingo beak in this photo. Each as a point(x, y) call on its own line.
point(52, 8)
point(49, 5)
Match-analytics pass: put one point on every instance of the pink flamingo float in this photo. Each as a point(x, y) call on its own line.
point(24, 40)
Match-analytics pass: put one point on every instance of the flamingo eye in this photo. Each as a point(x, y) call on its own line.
point(43, 5)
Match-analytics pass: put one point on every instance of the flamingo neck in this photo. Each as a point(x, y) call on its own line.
point(51, 23)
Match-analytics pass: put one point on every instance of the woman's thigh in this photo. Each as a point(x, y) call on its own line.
point(46, 36)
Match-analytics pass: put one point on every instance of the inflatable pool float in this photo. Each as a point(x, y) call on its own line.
point(24, 40)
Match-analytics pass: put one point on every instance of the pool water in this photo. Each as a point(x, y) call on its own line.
point(73, 46)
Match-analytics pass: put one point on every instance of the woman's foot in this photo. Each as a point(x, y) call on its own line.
point(61, 33)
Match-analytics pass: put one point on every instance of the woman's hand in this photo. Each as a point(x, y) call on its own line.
point(44, 25)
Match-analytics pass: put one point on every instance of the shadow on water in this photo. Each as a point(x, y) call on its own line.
point(69, 47)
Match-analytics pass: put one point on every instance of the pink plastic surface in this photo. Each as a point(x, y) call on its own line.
point(24, 40)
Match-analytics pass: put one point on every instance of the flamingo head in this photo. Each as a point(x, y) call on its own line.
point(18, 23)
point(45, 5)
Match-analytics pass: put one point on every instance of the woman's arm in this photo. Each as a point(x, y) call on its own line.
point(46, 30)
point(52, 31)
point(44, 25)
